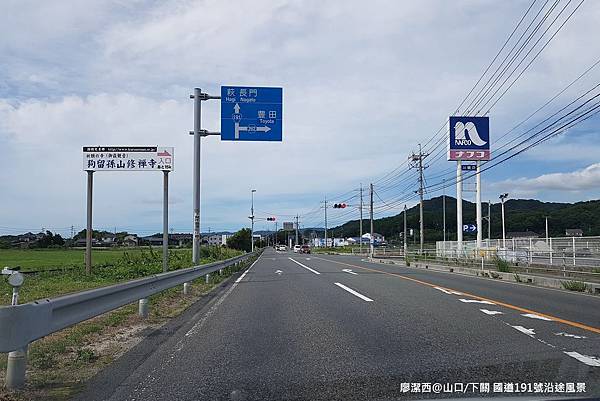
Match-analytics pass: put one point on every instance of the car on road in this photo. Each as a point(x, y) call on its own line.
point(297, 248)
point(281, 248)
point(305, 249)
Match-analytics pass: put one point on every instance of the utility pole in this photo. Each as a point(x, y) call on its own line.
point(405, 244)
point(417, 162)
point(502, 197)
point(546, 229)
point(361, 217)
point(252, 191)
point(372, 241)
point(296, 243)
point(489, 220)
point(325, 207)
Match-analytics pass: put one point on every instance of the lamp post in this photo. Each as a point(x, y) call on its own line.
point(502, 198)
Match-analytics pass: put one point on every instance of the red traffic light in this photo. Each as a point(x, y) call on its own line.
point(270, 218)
point(339, 205)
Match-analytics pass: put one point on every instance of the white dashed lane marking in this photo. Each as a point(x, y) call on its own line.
point(476, 301)
point(491, 312)
point(534, 316)
point(588, 360)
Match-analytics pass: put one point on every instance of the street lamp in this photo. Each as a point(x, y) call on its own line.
point(502, 197)
point(252, 191)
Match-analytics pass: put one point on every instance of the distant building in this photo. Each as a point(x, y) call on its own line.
point(574, 232)
point(522, 234)
point(218, 239)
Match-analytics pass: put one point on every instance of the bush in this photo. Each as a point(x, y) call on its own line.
point(502, 265)
point(578, 286)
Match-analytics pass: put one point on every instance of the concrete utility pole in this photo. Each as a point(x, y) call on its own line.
point(417, 162)
point(502, 197)
point(296, 243)
point(196, 187)
point(252, 191)
point(361, 218)
point(372, 241)
point(405, 244)
point(325, 207)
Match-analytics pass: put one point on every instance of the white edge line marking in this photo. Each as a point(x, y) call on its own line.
point(476, 301)
point(491, 312)
point(534, 316)
point(351, 291)
point(247, 270)
point(306, 267)
point(588, 360)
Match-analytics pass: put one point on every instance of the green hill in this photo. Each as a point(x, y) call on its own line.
point(521, 215)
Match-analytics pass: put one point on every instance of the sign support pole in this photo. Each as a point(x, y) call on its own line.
point(459, 217)
point(88, 232)
point(196, 187)
point(165, 220)
point(478, 205)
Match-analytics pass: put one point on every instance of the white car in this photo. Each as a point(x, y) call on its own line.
point(297, 248)
point(281, 248)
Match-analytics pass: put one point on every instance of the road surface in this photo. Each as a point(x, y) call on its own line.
point(312, 327)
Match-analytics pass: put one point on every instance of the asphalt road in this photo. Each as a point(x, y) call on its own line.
point(311, 327)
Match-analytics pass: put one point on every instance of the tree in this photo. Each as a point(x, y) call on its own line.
point(240, 240)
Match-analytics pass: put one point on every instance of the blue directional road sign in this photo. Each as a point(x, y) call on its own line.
point(251, 113)
point(469, 228)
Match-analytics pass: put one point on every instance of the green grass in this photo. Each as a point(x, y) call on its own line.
point(578, 286)
point(40, 259)
point(125, 265)
point(502, 265)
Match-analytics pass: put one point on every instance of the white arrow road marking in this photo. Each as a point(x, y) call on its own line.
point(491, 312)
point(523, 330)
point(278, 272)
point(307, 258)
point(450, 292)
point(349, 271)
point(568, 335)
point(476, 301)
point(351, 291)
point(588, 360)
point(534, 316)
point(306, 267)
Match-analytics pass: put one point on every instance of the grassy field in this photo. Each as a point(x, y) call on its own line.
point(110, 266)
point(42, 259)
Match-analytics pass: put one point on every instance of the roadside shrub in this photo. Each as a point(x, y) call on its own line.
point(502, 265)
point(86, 355)
point(574, 285)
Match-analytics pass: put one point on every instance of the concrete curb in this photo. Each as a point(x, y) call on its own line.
point(549, 282)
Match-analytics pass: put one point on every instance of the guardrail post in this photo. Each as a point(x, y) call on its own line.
point(186, 288)
point(143, 308)
point(220, 272)
point(15, 368)
point(207, 278)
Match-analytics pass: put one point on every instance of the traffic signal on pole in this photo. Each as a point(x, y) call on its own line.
point(339, 205)
point(270, 218)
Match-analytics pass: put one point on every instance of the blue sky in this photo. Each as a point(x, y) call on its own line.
point(364, 83)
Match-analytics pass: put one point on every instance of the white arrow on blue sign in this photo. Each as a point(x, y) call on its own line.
point(469, 228)
point(251, 113)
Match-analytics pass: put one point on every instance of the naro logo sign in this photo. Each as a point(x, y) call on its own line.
point(469, 138)
point(466, 134)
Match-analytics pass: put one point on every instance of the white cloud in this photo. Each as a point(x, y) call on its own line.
point(579, 180)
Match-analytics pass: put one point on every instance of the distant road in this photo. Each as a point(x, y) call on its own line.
point(311, 327)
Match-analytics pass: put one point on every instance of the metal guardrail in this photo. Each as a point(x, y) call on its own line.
point(22, 324)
